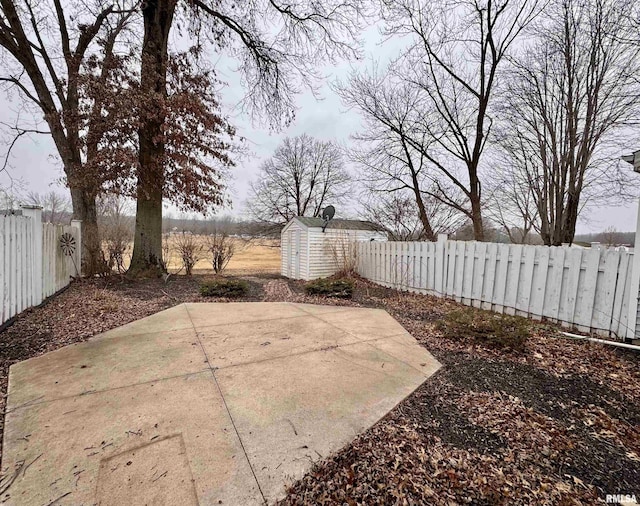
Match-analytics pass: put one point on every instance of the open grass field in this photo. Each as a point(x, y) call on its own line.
point(255, 256)
point(252, 256)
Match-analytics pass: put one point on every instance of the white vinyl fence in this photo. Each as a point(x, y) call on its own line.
point(36, 259)
point(587, 289)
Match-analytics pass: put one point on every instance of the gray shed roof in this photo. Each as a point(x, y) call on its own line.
point(633, 159)
point(340, 224)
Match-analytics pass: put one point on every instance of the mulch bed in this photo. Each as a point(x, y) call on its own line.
point(555, 423)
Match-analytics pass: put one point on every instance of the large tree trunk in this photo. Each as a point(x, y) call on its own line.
point(476, 217)
point(147, 247)
point(84, 208)
point(146, 260)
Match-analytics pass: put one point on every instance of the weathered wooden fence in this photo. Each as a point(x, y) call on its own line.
point(586, 289)
point(36, 259)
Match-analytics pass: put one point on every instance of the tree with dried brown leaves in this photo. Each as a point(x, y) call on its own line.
point(94, 106)
point(44, 47)
point(274, 64)
point(198, 142)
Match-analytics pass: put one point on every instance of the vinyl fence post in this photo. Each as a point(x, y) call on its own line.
point(77, 225)
point(632, 323)
point(34, 213)
point(440, 264)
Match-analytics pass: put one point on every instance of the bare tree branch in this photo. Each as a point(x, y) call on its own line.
point(566, 109)
point(303, 176)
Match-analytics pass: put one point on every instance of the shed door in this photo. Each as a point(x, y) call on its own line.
point(296, 254)
point(290, 255)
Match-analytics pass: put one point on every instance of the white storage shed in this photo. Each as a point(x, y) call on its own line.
point(309, 252)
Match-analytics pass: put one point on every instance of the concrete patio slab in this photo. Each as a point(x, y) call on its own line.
point(224, 410)
point(287, 425)
point(365, 324)
point(316, 309)
point(247, 342)
point(102, 364)
point(122, 477)
point(207, 315)
point(175, 318)
point(73, 445)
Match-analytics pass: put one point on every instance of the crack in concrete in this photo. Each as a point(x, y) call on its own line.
point(213, 374)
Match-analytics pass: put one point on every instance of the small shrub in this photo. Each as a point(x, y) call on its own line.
point(343, 251)
point(224, 287)
point(221, 248)
point(189, 250)
point(492, 329)
point(338, 288)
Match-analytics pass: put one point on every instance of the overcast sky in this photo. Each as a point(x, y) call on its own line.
point(35, 163)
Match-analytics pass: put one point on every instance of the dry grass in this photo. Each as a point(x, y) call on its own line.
point(253, 256)
point(256, 256)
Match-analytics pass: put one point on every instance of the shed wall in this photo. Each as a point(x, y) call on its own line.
point(319, 254)
point(326, 249)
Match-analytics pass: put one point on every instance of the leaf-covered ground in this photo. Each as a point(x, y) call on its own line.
point(555, 423)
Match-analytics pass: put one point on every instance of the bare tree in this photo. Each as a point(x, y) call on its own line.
point(511, 205)
point(571, 96)
point(116, 222)
point(385, 152)
point(451, 67)
point(611, 237)
point(10, 195)
point(55, 206)
point(398, 214)
point(302, 177)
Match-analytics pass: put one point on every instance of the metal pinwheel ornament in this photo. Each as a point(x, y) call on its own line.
point(68, 244)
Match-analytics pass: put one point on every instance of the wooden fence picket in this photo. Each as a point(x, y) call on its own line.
point(32, 264)
point(584, 289)
point(539, 283)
